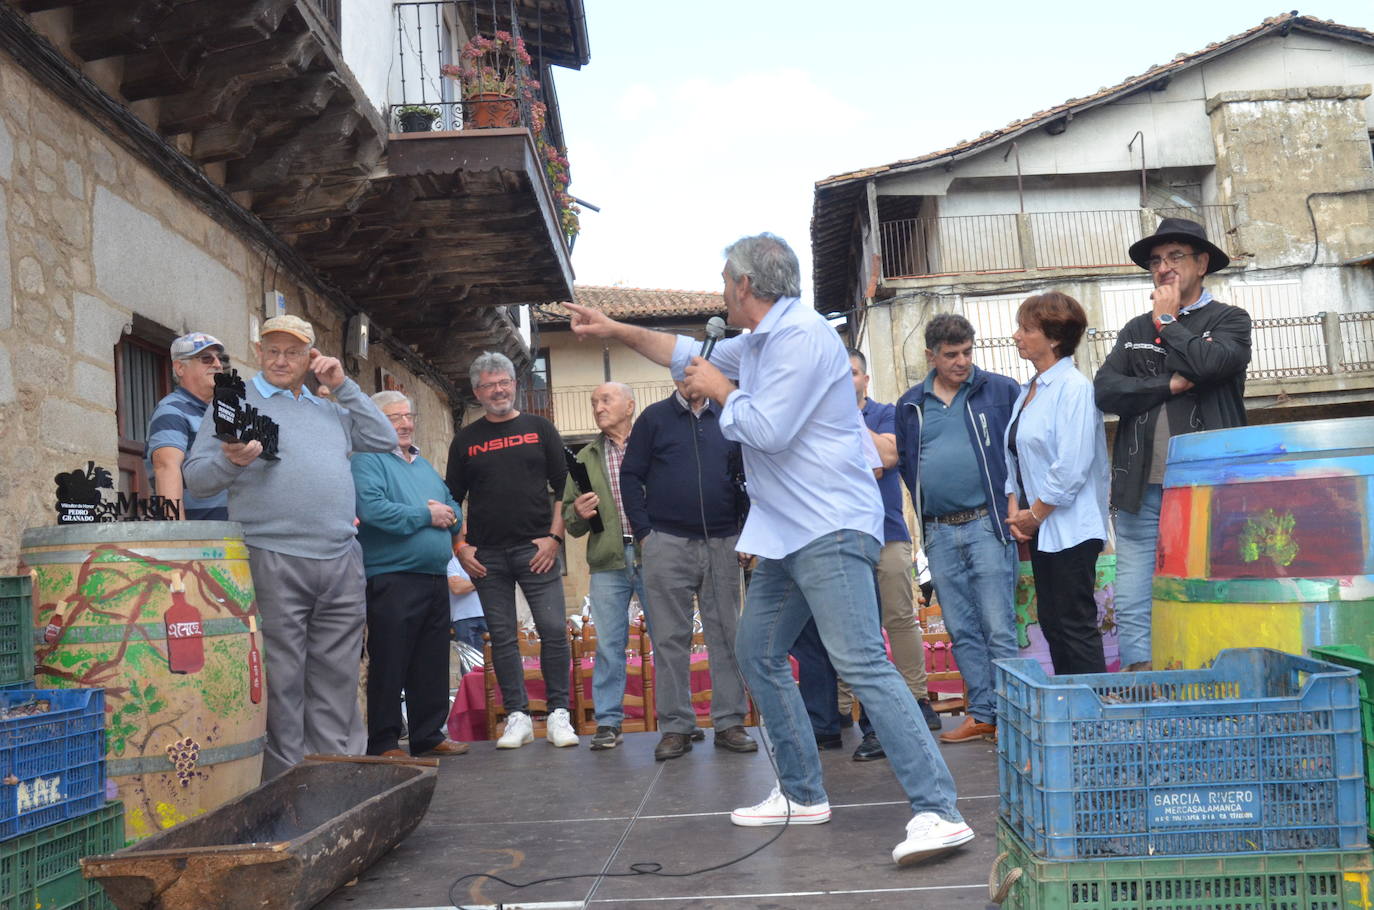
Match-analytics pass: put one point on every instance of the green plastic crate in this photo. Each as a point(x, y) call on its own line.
point(42, 869)
point(1254, 881)
point(16, 629)
point(1354, 656)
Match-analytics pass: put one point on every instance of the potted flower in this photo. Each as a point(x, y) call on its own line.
point(416, 118)
point(494, 74)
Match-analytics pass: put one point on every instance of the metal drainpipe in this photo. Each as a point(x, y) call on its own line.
point(1020, 193)
point(1130, 146)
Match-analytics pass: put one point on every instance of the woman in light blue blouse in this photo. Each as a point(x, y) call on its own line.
point(1057, 480)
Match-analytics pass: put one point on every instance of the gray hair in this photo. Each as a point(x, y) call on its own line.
point(769, 262)
point(947, 328)
point(490, 362)
point(624, 389)
point(388, 397)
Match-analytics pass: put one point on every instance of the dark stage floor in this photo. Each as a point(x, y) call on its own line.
point(538, 812)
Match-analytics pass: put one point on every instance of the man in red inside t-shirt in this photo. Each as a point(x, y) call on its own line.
point(507, 465)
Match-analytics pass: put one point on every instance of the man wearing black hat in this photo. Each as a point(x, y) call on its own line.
point(1177, 369)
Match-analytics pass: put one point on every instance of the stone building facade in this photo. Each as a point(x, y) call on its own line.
point(98, 249)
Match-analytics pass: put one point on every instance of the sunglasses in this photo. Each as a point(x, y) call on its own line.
point(212, 359)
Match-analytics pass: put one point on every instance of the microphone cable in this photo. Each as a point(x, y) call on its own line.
point(655, 869)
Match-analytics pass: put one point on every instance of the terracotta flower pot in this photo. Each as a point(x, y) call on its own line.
point(488, 110)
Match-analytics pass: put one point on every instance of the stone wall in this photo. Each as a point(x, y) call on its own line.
point(92, 238)
point(1287, 157)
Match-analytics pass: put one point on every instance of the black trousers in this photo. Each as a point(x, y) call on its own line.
point(1067, 611)
point(407, 647)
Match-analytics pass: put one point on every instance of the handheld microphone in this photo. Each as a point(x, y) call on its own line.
point(715, 330)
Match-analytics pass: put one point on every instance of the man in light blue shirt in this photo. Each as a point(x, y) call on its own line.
point(816, 523)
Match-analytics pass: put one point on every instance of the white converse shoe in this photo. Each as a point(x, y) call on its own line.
point(927, 835)
point(519, 730)
point(779, 810)
point(559, 729)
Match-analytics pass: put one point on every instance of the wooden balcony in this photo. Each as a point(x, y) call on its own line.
point(1030, 241)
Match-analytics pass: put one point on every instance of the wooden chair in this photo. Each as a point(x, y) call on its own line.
point(496, 713)
point(751, 717)
point(584, 707)
point(940, 667)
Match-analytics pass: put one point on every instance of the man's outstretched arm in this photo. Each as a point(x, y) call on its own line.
point(590, 323)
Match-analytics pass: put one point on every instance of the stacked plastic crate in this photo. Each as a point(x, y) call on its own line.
point(53, 809)
point(1238, 786)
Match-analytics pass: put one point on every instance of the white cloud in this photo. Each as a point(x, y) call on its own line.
point(635, 101)
point(724, 158)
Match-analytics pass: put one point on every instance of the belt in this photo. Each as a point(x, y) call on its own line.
point(628, 539)
point(958, 518)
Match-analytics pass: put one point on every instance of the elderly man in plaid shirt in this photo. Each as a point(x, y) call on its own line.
point(612, 556)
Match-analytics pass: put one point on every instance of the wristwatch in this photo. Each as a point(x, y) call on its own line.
point(1166, 319)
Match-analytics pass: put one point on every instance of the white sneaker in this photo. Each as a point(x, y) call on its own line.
point(927, 835)
point(519, 730)
point(779, 810)
point(559, 729)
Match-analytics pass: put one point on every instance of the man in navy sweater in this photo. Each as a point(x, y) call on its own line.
point(407, 522)
point(679, 485)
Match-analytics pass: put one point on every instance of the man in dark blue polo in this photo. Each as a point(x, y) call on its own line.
point(950, 432)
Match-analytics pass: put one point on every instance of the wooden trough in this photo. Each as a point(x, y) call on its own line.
point(286, 844)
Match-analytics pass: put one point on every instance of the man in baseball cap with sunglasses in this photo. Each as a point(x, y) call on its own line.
point(1176, 369)
point(196, 358)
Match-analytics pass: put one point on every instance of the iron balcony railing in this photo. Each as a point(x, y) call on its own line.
point(1280, 348)
point(962, 244)
point(425, 43)
point(570, 407)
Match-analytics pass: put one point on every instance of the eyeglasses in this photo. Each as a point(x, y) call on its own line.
point(212, 359)
point(497, 384)
point(271, 354)
point(1173, 258)
point(397, 418)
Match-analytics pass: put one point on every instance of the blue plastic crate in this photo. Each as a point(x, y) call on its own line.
point(56, 759)
point(1261, 753)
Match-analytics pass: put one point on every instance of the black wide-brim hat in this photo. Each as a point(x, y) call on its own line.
point(1183, 231)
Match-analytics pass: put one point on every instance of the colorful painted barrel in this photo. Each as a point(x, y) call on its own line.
point(162, 616)
point(1031, 640)
point(1265, 541)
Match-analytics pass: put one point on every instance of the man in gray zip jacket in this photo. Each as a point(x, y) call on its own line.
point(950, 440)
point(297, 516)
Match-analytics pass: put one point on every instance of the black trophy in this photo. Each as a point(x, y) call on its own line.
point(228, 405)
point(584, 485)
point(78, 496)
point(238, 421)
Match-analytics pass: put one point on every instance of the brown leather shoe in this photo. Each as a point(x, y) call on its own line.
point(395, 753)
point(970, 729)
point(448, 747)
point(672, 745)
point(735, 739)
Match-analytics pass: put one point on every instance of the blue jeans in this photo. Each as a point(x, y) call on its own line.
point(470, 631)
point(610, 595)
point(1137, 537)
point(831, 579)
point(975, 580)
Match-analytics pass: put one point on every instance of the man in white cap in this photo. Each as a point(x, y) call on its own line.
point(297, 515)
point(196, 358)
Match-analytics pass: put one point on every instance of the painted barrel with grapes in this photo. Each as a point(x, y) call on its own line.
point(1265, 540)
point(162, 616)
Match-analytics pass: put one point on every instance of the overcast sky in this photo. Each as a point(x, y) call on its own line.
point(697, 123)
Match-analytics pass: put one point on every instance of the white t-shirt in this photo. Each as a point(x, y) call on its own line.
point(462, 606)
